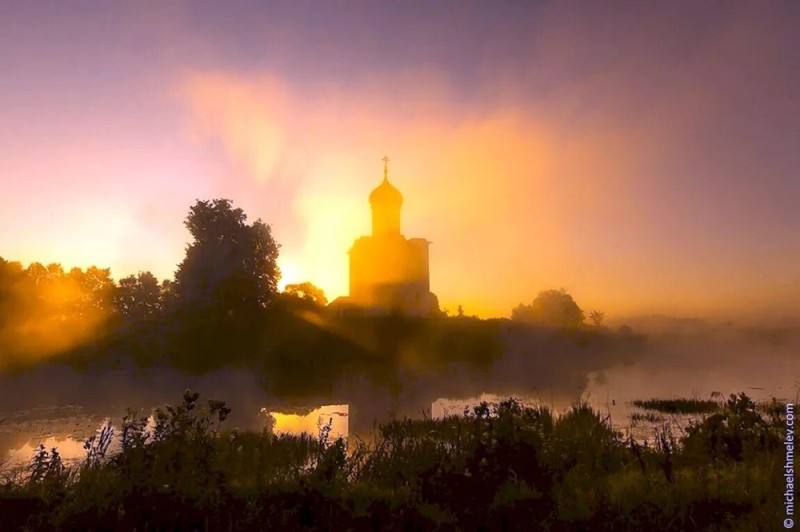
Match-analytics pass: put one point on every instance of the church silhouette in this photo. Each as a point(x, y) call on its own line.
point(388, 272)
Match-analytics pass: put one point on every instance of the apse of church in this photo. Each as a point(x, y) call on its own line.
point(389, 273)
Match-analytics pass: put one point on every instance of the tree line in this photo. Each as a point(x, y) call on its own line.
point(228, 275)
point(223, 303)
point(230, 267)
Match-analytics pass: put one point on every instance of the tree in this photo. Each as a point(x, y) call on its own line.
point(96, 288)
point(37, 273)
point(44, 310)
point(597, 317)
point(168, 295)
point(308, 292)
point(230, 266)
point(554, 308)
point(139, 297)
point(12, 277)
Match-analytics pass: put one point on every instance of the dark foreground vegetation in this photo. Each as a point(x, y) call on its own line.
point(503, 467)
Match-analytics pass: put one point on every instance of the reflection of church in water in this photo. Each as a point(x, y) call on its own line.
point(388, 272)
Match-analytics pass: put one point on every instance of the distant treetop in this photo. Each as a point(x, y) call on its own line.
point(554, 308)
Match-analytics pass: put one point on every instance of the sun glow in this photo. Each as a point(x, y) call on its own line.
point(290, 272)
point(334, 214)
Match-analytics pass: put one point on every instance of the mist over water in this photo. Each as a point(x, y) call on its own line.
point(60, 406)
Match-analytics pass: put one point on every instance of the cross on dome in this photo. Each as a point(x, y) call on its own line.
point(386, 193)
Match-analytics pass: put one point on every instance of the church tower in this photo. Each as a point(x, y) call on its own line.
point(386, 202)
point(388, 273)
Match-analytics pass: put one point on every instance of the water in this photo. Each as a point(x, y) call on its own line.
point(61, 408)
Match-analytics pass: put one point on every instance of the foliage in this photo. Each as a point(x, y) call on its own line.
point(230, 267)
point(625, 330)
point(45, 311)
point(553, 308)
point(497, 466)
point(139, 297)
point(597, 317)
point(736, 433)
point(307, 292)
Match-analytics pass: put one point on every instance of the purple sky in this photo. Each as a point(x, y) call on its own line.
point(644, 156)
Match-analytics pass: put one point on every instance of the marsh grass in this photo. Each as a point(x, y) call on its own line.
point(494, 467)
point(678, 406)
point(646, 417)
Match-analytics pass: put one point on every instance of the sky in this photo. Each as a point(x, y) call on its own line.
point(643, 156)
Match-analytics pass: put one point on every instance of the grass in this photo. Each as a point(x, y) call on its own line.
point(646, 417)
point(678, 406)
point(496, 467)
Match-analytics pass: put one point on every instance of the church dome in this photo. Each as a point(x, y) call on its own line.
point(386, 193)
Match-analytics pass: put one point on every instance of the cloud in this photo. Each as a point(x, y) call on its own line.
point(246, 119)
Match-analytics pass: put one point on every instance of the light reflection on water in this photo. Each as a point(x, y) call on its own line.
point(603, 395)
point(71, 448)
point(311, 423)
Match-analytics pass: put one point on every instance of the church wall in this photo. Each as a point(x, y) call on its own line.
point(417, 263)
point(377, 265)
point(386, 221)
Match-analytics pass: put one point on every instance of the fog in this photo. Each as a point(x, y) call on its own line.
point(539, 367)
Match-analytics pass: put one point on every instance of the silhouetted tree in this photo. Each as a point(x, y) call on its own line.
point(56, 291)
point(37, 273)
point(45, 311)
point(169, 298)
point(597, 317)
point(308, 292)
point(96, 288)
point(230, 266)
point(551, 307)
point(49, 293)
point(138, 297)
point(625, 330)
point(12, 275)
